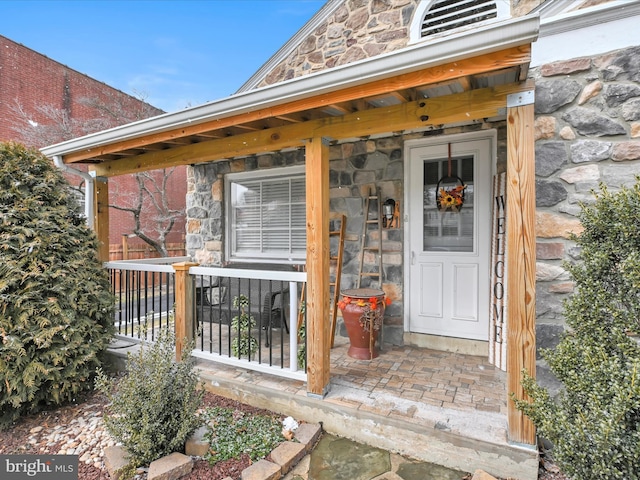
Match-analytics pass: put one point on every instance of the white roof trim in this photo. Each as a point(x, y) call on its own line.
point(587, 32)
point(587, 17)
point(490, 38)
point(549, 9)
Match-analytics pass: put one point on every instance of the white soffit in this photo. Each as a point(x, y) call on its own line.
point(475, 42)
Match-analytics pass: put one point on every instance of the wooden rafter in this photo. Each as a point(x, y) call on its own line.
point(461, 68)
point(429, 112)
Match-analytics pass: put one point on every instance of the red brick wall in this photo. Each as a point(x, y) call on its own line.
point(120, 223)
point(30, 79)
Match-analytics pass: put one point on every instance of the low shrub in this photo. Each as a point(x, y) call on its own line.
point(594, 423)
point(153, 407)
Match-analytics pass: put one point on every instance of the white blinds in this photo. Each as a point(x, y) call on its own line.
point(268, 218)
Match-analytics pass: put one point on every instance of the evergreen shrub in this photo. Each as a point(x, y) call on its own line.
point(594, 423)
point(153, 407)
point(56, 309)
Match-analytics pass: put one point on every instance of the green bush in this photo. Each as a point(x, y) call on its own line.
point(153, 407)
point(302, 340)
point(594, 423)
point(56, 309)
point(232, 434)
point(244, 345)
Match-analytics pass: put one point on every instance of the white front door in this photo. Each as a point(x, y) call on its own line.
point(449, 250)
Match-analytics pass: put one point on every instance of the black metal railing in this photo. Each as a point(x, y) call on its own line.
point(250, 316)
point(247, 314)
point(144, 296)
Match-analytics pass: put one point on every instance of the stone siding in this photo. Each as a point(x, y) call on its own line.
point(354, 167)
point(359, 29)
point(205, 201)
point(587, 133)
point(356, 30)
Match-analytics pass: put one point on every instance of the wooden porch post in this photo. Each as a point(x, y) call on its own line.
point(184, 306)
point(318, 328)
point(521, 259)
point(101, 216)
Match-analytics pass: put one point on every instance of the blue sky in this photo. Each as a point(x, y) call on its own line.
point(176, 53)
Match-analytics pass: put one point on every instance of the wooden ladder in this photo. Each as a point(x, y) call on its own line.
point(339, 224)
point(365, 246)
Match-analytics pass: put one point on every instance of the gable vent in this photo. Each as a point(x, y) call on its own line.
point(446, 15)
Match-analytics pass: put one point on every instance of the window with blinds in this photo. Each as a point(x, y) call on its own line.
point(267, 216)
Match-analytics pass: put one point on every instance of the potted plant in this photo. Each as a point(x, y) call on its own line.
point(362, 312)
point(244, 345)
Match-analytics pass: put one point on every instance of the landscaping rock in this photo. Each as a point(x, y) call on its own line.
point(116, 460)
point(287, 455)
point(482, 475)
point(170, 467)
point(262, 470)
point(347, 459)
point(308, 434)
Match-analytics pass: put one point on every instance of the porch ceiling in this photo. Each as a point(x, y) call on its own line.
point(425, 92)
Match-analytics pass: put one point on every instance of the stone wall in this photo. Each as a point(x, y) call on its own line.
point(355, 170)
point(359, 29)
point(205, 201)
point(354, 167)
point(587, 132)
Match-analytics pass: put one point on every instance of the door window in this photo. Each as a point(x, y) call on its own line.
point(450, 229)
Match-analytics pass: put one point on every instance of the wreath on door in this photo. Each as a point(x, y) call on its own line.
point(450, 197)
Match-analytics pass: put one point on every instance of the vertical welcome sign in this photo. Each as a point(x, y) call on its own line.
point(497, 320)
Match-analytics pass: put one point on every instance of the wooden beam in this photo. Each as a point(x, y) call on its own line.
point(460, 68)
point(471, 105)
point(521, 265)
point(101, 216)
point(317, 306)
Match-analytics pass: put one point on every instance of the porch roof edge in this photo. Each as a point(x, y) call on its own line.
point(492, 38)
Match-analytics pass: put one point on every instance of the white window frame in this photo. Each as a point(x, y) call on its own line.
point(284, 256)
